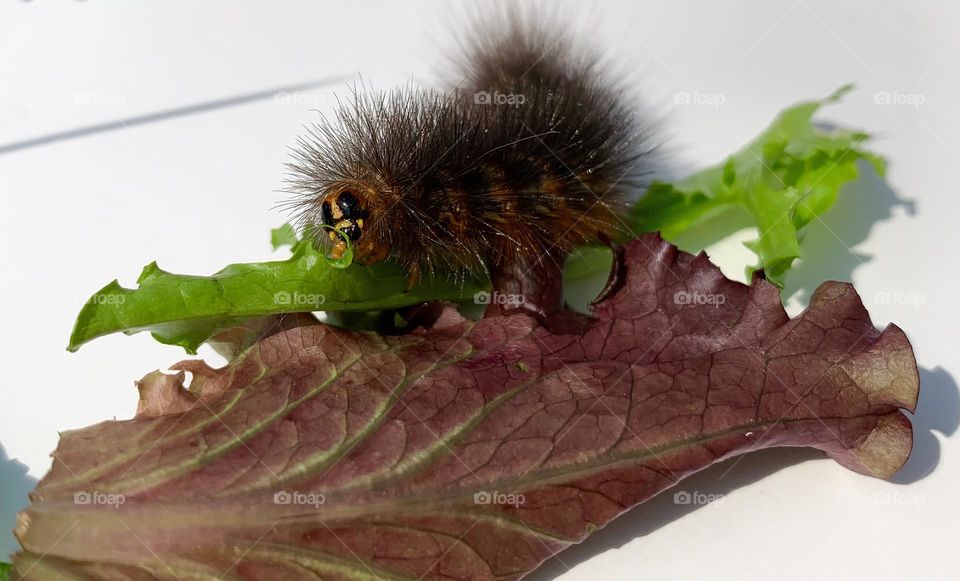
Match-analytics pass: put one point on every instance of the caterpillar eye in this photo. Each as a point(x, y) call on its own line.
point(343, 205)
point(349, 205)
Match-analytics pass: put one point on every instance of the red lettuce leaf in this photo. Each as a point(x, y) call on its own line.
point(465, 450)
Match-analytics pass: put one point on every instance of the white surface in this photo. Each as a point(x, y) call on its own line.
point(195, 192)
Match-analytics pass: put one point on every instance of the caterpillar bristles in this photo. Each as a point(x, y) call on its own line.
point(534, 151)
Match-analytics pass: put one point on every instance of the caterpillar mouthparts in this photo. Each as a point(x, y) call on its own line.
point(345, 210)
point(532, 153)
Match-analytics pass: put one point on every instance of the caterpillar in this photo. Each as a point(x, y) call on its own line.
point(532, 152)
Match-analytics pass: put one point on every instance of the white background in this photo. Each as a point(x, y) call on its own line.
point(195, 191)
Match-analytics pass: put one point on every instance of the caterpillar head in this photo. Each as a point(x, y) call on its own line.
point(350, 211)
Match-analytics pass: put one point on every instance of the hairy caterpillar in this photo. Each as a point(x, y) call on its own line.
point(532, 153)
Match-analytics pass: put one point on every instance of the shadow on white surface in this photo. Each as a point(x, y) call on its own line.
point(16, 485)
point(662, 509)
point(829, 246)
point(166, 114)
point(938, 410)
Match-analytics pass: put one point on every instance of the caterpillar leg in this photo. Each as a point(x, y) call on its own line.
point(533, 285)
point(618, 271)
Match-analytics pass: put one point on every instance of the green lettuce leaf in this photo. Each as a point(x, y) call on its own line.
point(285, 235)
point(784, 179)
point(188, 310)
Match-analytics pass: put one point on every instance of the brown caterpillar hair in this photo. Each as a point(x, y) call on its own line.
point(533, 153)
